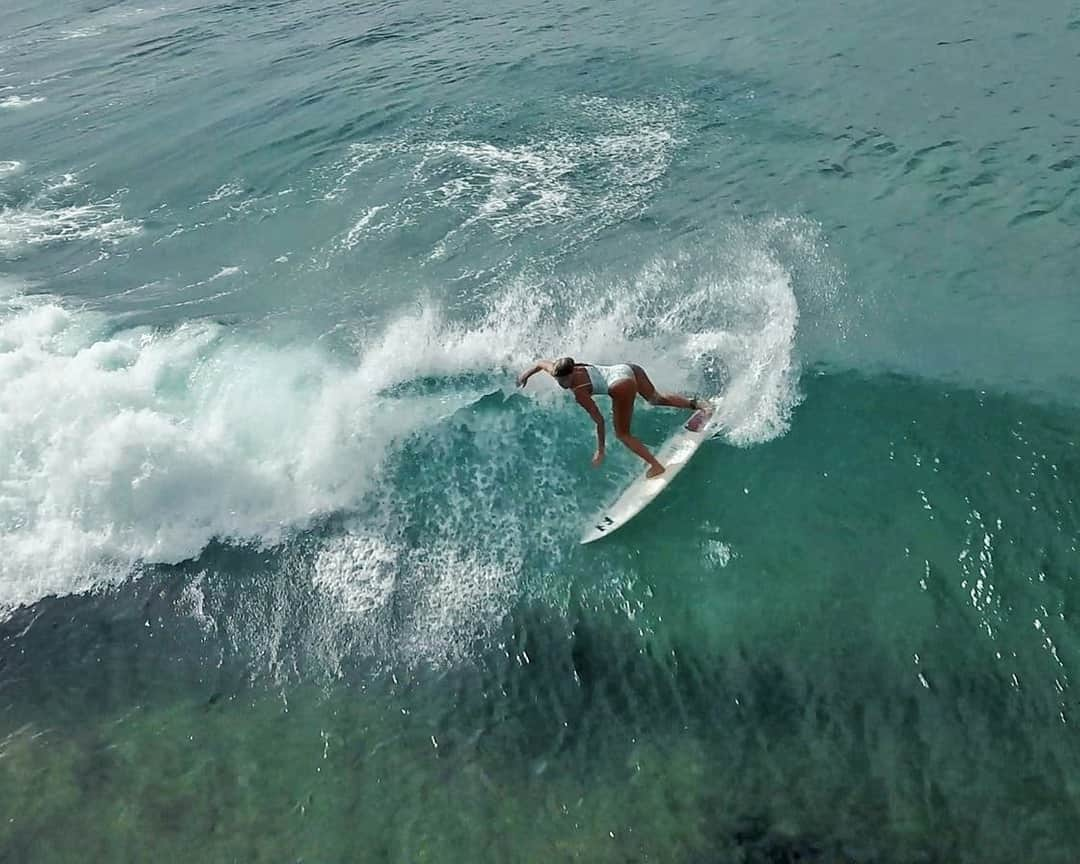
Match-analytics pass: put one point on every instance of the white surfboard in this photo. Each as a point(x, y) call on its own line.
point(674, 455)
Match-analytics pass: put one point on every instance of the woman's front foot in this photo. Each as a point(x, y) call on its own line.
point(655, 470)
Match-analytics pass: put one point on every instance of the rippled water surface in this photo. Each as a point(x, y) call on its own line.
point(289, 569)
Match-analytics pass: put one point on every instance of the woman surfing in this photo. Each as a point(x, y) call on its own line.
point(623, 382)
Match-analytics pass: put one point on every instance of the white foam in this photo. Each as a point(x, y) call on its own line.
point(359, 571)
point(65, 181)
point(432, 598)
point(429, 603)
point(226, 190)
point(360, 227)
point(81, 33)
point(15, 102)
point(225, 273)
point(35, 225)
point(139, 446)
point(512, 188)
point(465, 594)
point(192, 602)
point(10, 167)
point(716, 553)
point(600, 164)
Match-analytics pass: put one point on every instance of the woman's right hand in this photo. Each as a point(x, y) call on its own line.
point(597, 458)
point(528, 373)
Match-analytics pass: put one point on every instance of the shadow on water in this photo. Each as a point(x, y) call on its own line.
point(574, 728)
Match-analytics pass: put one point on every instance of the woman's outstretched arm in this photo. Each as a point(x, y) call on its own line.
point(540, 366)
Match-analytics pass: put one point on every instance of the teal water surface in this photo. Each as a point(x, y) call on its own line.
point(289, 568)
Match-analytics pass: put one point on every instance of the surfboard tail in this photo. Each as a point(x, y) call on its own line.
point(698, 420)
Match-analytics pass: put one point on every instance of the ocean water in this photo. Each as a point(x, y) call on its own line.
point(289, 568)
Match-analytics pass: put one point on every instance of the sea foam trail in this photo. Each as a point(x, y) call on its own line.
point(598, 163)
point(141, 446)
point(62, 210)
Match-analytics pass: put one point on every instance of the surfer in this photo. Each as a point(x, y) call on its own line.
point(623, 382)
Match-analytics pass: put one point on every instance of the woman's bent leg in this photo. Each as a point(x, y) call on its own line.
point(622, 395)
point(654, 397)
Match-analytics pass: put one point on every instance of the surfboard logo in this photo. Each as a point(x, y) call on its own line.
point(674, 454)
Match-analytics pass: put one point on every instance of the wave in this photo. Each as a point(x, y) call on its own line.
point(142, 446)
point(128, 448)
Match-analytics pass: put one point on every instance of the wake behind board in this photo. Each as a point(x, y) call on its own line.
point(674, 455)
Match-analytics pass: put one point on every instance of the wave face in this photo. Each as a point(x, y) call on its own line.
point(137, 446)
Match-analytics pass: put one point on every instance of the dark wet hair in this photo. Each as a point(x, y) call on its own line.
point(563, 366)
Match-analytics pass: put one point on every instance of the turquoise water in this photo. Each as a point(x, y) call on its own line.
point(288, 568)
